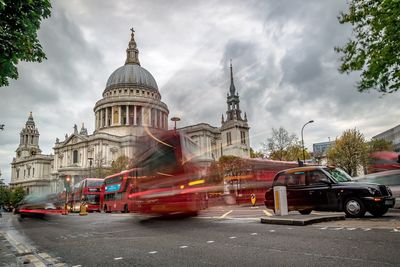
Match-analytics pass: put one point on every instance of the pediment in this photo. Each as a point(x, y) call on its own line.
point(74, 139)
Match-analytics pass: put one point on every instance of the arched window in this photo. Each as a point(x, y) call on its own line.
point(75, 156)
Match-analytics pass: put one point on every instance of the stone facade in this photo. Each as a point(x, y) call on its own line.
point(391, 135)
point(129, 110)
point(31, 169)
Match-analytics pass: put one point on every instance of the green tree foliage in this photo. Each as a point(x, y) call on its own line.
point(375, 47)
point(256, 154)
point(17, 195)
point(5, 195)
point(349, 152)
point(121, 163)
point(284, 146)
point(376, 145)
point(215, 175)
point(19, 23)
point(232, 166)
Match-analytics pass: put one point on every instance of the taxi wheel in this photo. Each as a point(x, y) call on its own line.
point(354, 207)
point(379, 212)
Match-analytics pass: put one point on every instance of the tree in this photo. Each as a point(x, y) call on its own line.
point(19, 23)
point(375, 47)
point(17, 195)
point(278, 144)
point(349, 152)
point(376, 145)
point(5, 195)
point(256, 154)
point(284, 146)
point(121, 163)
point(232, 166)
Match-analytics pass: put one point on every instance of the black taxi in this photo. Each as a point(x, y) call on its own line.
point(326, 188)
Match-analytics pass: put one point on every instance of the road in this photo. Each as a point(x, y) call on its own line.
point(222, 236)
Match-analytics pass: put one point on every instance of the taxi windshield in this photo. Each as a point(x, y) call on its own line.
point(338, 175)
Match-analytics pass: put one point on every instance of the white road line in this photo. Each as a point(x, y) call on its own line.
point(232, 237)
point(271, 231)
point(226, 214)
point(336, 229)
point(267, 213)
point(153, 252)
point(324, 228)
point(117, 259)
point(351, 229)
point(253, 234)
point(183, 246)
point(210, 241)
point(395, 230)
point(366, 229)
point(77, 266)
point(289, 228)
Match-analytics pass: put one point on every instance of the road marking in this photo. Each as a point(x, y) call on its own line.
point(117, 259)
point(395, 230)
point(324, 228)
point(289, 228)
point(210, 241)
point(366, 229)
point(77, 266)
point(226, 214)
point(183, 246)
point(271, 231)
point(253, 234)
point(267, 213)
point(351, 229)
point(153, 252)
point(232, 237)
point(336, 229)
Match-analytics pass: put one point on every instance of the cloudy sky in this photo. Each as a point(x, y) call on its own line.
point(284, 65)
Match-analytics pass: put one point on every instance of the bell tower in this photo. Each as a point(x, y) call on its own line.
point(235, 129)
point(29, 140)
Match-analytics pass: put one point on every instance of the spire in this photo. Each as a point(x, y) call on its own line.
point(222, 119)
point(30, 120)
point(232, 89)
point(132, 53)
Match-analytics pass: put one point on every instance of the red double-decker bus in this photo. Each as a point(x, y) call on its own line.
point(169, 178)
point(116, 190)
point(87, 192)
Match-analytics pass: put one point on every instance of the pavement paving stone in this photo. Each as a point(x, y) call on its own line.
point(301, 220)
point(7, 252)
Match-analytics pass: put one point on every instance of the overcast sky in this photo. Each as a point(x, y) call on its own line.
point(284, 65)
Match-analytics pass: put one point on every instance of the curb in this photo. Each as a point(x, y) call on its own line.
point(290, 220)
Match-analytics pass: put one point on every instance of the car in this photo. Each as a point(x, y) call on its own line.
point(389, 178)
point(327, 188)
point(37, 206)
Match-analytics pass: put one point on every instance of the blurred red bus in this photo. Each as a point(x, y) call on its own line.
point(256, 177)
point(88, 192)
point(383, 161)
point(169, 178)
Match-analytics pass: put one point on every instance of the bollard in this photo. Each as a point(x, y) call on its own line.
point(253, 199)
point(82, 210)
point(280, 200)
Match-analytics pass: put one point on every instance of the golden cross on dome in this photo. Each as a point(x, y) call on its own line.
point(132, 30)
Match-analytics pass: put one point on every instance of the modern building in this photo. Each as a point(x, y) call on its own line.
point(320, 150)
point(129, 109)
point(391, 135)
point(31, 169)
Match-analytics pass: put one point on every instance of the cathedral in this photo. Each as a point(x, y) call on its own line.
point(130, 107)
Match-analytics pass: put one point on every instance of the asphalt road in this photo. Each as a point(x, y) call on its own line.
point(215, 238)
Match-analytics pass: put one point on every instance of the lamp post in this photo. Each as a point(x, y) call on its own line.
point(90, 166)
point(302, 140)
point(175, 119)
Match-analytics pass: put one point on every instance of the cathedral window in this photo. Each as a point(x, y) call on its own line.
point(228, 138)
point(243, 137)
point(29, 172)
point(137, 91)
point(33, 171)
point(75, 156)
point(116, 116)
point(18, 173)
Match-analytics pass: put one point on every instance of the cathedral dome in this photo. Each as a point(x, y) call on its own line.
point(132, 74)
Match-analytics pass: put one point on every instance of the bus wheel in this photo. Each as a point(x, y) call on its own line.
point(105, 209)
point(125, 208)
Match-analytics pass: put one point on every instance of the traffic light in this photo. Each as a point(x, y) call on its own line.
point(67, 184)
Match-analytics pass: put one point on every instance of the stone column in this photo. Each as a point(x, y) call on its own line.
point(120, 115)
point(106, 120)
point(134, 115)
point(127, 115)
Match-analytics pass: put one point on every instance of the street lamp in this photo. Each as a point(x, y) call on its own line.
point(175, 119)
point(302, 140)
point(90, 166)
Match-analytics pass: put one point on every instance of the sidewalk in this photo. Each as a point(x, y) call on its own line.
point(8, 254)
